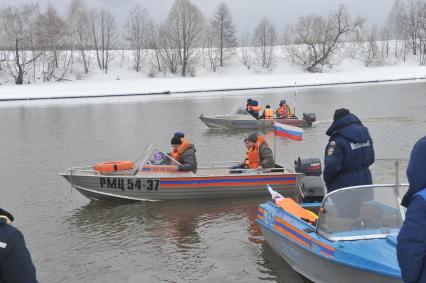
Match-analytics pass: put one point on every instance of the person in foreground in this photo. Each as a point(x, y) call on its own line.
point(258, 155)
point(184, 153)
point(15, 260)
point(349, 152)
point(411, 247)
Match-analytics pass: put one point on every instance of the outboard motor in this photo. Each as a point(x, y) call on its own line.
point(312, 184)
point(310, 118)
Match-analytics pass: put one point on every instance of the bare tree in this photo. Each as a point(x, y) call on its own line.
point(104, 35)
point(79, 26)
point(246, 50)
point(422, 33)
point(18, 32)
point(137, 30)
point(222, 34)
point(182, 34)
point(213, 52)
point(264, 41)
point(317, 38)
point(51, 31)
point(371, 48)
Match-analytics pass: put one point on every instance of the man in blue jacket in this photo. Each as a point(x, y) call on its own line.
point(349, 152)
point(15, 260)
point(411, 247)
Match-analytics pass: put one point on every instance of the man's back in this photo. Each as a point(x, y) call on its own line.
point(348, 155)
point(15, 260)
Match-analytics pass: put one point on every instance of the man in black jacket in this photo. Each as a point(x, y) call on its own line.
point(15, 260)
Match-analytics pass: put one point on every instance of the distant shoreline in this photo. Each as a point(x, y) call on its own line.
point(187, 86)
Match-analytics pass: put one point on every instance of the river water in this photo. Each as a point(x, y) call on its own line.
point(74, 240)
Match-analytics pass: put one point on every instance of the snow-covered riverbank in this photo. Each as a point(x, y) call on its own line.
point(230, 79)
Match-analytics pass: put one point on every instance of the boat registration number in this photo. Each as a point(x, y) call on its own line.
point(128, 184)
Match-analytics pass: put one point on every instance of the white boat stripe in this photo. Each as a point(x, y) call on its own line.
point(3, 245)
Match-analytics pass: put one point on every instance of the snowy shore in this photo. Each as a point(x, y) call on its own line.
point(229, 80)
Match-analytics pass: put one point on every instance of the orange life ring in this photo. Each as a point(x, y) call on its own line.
point(113, 166)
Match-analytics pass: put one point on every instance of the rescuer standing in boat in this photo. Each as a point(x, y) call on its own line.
point(16, 264)
point(349, 152)
point(411, 247)
point(184, 153)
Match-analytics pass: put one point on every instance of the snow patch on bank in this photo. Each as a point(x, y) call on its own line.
point(235, 77)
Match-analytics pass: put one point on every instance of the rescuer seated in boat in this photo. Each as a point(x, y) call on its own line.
point(254, 108)
point(285, 110)
point(282, 111)
point(258, 154)
point(184, 153)
point(268, 113)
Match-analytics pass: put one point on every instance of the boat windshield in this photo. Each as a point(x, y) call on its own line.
point(363, 212)
point(156, 157)
point(239, 109)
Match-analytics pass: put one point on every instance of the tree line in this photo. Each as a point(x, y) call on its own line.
point(38, 44)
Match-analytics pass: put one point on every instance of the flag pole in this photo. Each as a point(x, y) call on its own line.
point(275, 147)
point(295, 94)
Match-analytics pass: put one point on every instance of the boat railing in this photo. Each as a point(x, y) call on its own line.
point(223, 164)
point(81, 170)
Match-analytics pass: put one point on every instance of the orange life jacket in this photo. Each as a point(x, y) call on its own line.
point(282, 112)
point(295, 209)
point(254, 108)
point(176, 154)
point(253, 156)
point(269, 113)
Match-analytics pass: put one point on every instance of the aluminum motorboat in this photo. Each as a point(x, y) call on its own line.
point(352, 240)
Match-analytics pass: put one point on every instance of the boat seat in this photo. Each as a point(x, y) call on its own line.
point(371, 211)
point(332, 223)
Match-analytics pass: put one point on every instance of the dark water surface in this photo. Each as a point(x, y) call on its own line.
point(74, 240)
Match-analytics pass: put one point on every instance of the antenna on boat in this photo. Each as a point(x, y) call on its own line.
point(397, 184)
point(295, 94)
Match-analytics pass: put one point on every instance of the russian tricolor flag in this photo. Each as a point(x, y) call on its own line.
point(287, 131)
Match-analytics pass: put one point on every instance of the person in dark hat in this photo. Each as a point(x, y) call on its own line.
point(411, 247)
point(16, 264)
point(349, 152)
point(184, 153)
point(248, 104)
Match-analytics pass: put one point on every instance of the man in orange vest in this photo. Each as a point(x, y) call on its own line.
point(282, 111)
point(268, 113)
point(184, 153)
point(259, 155)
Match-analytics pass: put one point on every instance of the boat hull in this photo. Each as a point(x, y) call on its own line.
point(229, 123)
point(310, 255)
point(142, 188)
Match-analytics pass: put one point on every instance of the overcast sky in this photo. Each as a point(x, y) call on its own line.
point(246, 13)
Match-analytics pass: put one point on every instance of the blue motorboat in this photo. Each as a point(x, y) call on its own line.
point(353, 239)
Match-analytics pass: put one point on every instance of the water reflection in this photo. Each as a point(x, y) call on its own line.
point(186, 231)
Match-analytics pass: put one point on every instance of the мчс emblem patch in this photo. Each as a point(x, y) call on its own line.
point(330, 149)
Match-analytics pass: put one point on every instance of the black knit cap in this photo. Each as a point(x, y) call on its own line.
point(7, 214)
point(252, 138)
point(339, 113)
point(176, 140)
point(179, 134)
